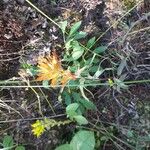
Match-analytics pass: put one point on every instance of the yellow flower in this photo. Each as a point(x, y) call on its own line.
point(50, 69)
point(40, 125)
point(38, 128)
point(111, 83)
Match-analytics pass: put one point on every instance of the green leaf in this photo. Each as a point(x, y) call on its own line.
point(25, 66)
point(121, 66)
point(93, 69)
point(120, 84)
point(80, 120)
point(98, 73)
point(73, 69)
point(67, 58)
point(83, 140)
point(80, 35)
point(73, 83)
point(72, 107)
point(91, 43)
point(95, 61)
point(100, 49)
point(87, 104)
point(81, 110)
point(74, 28)
point(68, 44)
point(64, 147)
point(45, 83)
point(33, 70)
point(76, 96)
point(77, 52)
point(130, 134)
point(67, 97)
point(20, 148)
point(8, 141)
point(63, 26)
point(71, 110)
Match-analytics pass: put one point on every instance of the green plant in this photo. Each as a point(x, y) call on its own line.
point(82, 140)
point(8, 144)
point(74, 113)
point(117, 84)
point(74, 49)
point(75, 97)
point(129, 3)
point(140, 142)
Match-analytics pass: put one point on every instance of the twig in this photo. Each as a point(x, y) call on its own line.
point(31, 119)
point(134, 24)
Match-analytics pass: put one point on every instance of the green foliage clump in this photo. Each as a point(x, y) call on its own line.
point(9, 144)
point(129, 3)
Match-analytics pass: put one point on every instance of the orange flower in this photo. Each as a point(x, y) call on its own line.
point(50, 69)
point(66, 76)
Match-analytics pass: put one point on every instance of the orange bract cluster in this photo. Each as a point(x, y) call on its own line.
point(50, 69)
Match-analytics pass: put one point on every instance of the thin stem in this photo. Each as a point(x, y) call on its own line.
point(47, 101)
point(42, 13)
point(75, 85)
point(32, 119)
